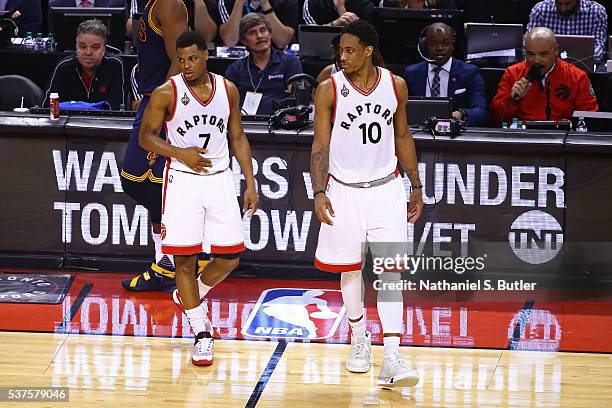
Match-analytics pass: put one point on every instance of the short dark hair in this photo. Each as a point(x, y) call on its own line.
point(364, 31)
point(94, 27)
point(189, 38)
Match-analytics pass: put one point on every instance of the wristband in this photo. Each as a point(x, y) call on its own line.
point(268, 11)
point(318, 192)
point(420, 186)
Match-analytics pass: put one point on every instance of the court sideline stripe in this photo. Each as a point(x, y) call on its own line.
point(74, 308)
point(521, 322)
point(266, 374)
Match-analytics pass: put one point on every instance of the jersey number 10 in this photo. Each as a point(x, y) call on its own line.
point(368, 132)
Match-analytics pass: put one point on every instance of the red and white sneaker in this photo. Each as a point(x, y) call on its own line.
point(203, 349)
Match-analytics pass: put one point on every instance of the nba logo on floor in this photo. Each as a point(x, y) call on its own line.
point(290, 313)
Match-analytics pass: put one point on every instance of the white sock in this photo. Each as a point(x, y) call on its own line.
point(358, 328)
point(203, 288)
point(391, 346)
point(197, 319)
point(352, 294)
point(157, 241)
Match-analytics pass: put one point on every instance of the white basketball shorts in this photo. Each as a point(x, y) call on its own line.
point(200, 214)
point(376, 214)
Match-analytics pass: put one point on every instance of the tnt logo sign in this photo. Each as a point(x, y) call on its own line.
point(291, 313)
point(535, 237)
point(539, 331)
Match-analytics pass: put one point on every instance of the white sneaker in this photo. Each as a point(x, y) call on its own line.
point(203, 350)
point(360, 356)
point(397, 372)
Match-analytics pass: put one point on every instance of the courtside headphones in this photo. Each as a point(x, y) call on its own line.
point(422, 43)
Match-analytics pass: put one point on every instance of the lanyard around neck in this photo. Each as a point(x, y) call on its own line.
point(263, 74)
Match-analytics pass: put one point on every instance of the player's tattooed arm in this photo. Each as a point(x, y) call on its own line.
point(319, 168)
point(413, 176)
point(319, 158)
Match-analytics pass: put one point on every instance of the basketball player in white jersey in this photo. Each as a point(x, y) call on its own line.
point(200, 211)
point(360, 132)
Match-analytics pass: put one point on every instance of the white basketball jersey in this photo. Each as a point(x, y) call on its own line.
point(200, 123)
point(362, 146)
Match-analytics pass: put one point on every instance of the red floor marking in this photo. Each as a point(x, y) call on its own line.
point(480, 320)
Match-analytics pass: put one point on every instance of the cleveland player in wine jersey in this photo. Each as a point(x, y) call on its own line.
point(360, 132)
point(200, 212)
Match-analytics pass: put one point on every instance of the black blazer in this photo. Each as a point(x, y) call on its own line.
point(107, 84)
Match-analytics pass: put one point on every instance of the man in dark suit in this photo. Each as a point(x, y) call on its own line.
point(444, 76)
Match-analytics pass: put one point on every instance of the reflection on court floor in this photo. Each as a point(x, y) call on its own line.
point(282, 346)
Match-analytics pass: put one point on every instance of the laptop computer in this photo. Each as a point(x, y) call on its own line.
point(578, 50)
point(316, 41)
point(421, 108)
point(481, 37)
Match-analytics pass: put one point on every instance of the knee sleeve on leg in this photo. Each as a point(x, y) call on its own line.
point(352, 293)
point(390, 304)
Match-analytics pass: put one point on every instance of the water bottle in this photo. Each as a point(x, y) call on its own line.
point(28, 42)
point(51, 44)
point(504, 125)
point(122, 107)
point(39, 44)
point(519, 125)
point(581, 126)
point(514, 124)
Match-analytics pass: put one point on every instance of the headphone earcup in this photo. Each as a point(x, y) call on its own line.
point(423, 46)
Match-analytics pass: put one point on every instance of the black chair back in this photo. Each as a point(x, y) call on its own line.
point(13, 87)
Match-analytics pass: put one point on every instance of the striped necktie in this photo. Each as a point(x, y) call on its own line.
point(435, 83)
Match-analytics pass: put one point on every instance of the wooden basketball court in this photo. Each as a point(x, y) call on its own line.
point(113, 348)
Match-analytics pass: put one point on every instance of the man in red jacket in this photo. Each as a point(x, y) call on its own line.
point(561, 89)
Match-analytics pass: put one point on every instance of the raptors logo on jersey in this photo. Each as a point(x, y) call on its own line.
point(362, 146)
point(199, 123)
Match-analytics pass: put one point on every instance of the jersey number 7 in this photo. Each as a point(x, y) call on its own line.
point(206, 137)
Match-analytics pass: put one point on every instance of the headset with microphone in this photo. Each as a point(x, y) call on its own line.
point(422, 43)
